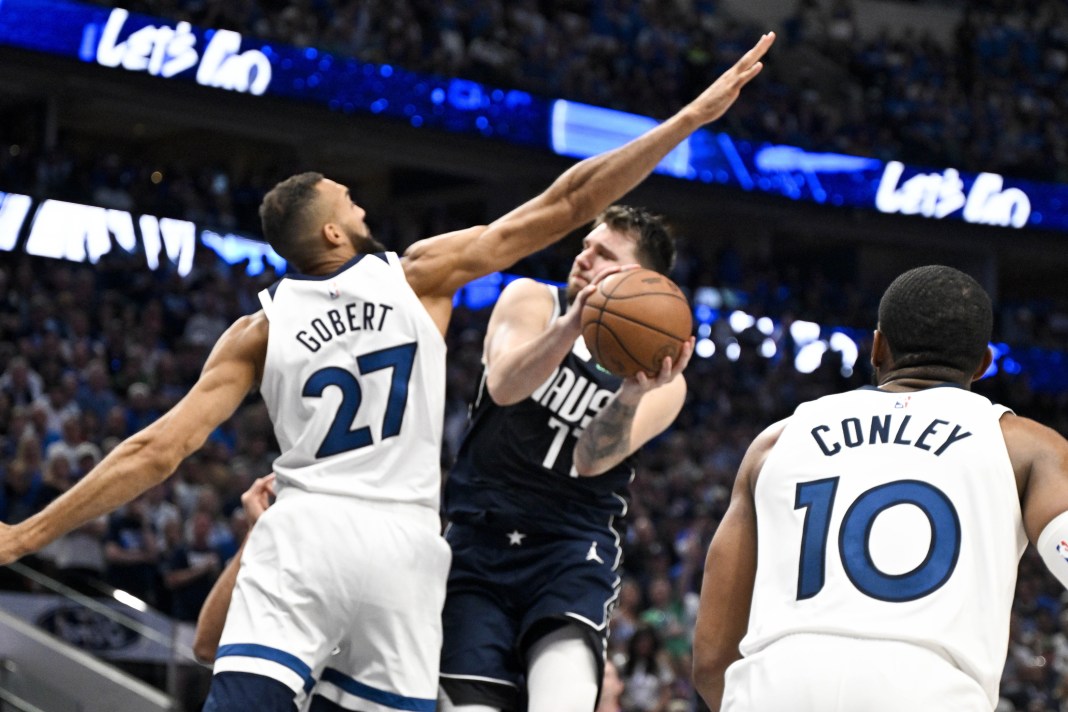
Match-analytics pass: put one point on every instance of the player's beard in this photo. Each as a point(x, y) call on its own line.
point(365, 244)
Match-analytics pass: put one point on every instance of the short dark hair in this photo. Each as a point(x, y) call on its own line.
point(936, 317)
point(656, 246)
point(284, 214)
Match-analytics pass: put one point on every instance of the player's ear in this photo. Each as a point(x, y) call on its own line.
point(988, 358)
point(879, 350)
point(333, 234)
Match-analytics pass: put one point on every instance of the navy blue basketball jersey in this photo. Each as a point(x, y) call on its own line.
point(514, 468)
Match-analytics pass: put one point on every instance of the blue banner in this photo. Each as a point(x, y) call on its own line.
point(226, 60)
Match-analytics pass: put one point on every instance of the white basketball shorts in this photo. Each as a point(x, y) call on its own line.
point(342, 598)
point(833, 673)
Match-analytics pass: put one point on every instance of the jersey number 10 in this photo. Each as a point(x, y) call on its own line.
point(817, 499)
point(341, 437)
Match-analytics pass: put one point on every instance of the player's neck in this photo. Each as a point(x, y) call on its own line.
point(903, 383)
point(328, 263)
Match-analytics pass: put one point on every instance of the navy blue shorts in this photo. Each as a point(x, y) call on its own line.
point(506, 591)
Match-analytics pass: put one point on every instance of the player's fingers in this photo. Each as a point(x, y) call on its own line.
point(584, 294)
point(665, 374)
point(758, 50)
point(685, 353)
point(613, 269)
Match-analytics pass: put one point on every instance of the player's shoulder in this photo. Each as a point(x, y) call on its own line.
point(757, 454)
point(770, 435)
point(524, 292)
point(248, 334)
point(1024, 433)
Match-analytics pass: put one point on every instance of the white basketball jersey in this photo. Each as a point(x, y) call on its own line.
point(895, 516)
point(355, 384)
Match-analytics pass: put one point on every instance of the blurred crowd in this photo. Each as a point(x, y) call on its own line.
point(75, 381)
point(123, 178)
point(987, 99)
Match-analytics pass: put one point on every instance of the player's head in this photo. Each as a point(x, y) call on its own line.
point(307, 215)
point(935, 323)
point(621, 235)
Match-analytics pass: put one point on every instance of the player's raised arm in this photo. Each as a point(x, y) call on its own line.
point(150, 456)
point(440, 265)
point(730, 572)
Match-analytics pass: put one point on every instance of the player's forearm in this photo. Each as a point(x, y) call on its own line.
point(213, 612)
point(516, 374)
point(593, 184)
point(605, 442)
point(130, 469)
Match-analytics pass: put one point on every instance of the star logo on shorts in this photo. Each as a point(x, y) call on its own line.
point(515, 538)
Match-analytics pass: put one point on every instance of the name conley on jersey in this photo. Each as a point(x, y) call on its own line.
point(354, 316)
point(934, 436)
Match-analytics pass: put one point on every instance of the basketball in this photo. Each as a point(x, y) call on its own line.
point(634, 320)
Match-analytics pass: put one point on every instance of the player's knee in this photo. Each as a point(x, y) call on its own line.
point(563, 674)
point(242, 691)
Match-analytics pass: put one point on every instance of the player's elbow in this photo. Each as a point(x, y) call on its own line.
point(709, 669)
point(501, 392)
point(204, 647)
point(585, 467)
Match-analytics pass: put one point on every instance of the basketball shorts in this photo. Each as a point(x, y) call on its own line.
point(341, 598)
point(507, 590)
point(832, 673)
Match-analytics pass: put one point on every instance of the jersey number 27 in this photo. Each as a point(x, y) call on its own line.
point(817, 499)
point(341, 437)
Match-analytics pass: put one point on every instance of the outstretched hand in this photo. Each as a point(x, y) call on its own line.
point(714, 101)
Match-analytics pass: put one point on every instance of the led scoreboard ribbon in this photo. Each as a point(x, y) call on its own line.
point(227, 60)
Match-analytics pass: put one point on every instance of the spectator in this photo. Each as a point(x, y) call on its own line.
point(647, 675)
point(132, 551)
point(191, 567)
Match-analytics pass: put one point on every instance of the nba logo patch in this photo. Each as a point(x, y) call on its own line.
point(1062, 549)
point(335, 291)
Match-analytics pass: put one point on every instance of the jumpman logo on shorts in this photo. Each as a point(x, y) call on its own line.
point(592, 554)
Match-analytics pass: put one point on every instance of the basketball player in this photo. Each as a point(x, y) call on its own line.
point(868, 558)
point(342, 580)
point(536, 496)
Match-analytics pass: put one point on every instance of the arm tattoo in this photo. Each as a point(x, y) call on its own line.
point(608, 434)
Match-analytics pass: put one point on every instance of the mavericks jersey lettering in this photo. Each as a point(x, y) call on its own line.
point(515, 467)
point(354, 382)
point(891, 516)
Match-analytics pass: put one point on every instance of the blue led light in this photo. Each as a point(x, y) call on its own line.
point(75, 30)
